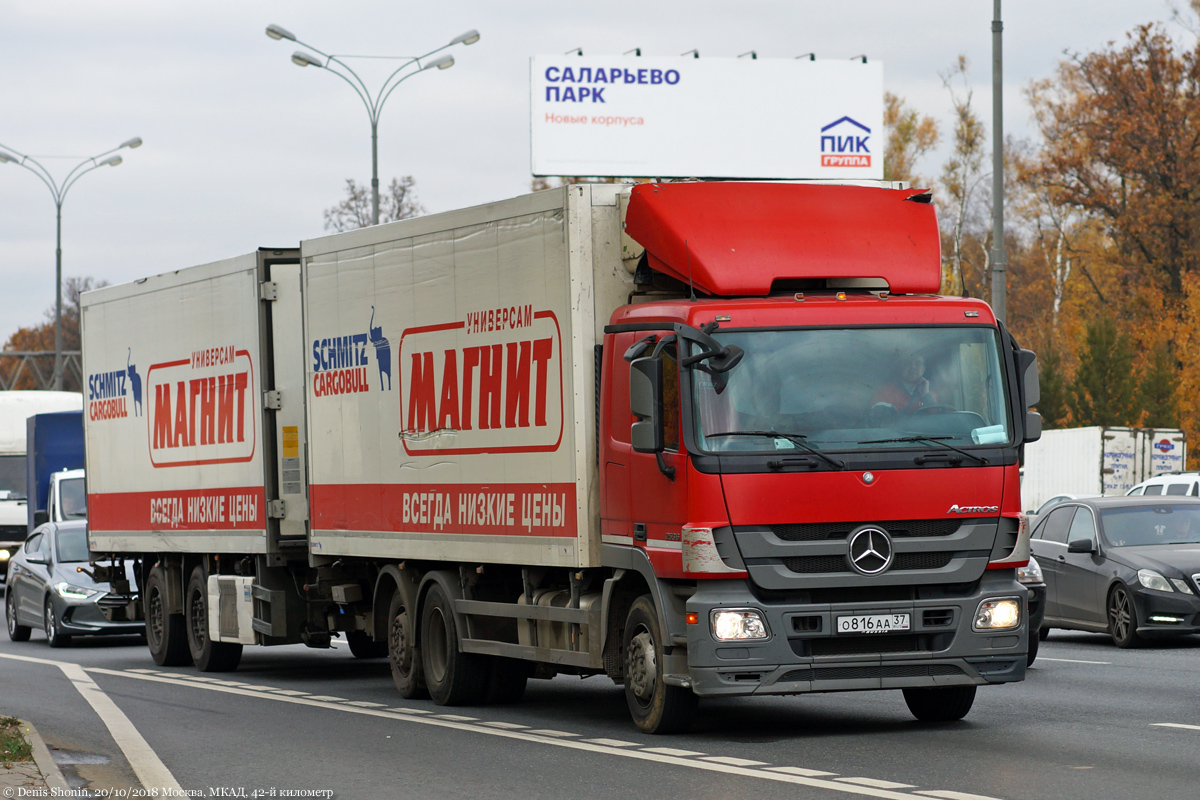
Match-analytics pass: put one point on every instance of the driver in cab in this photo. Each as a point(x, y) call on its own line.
point(910, 390)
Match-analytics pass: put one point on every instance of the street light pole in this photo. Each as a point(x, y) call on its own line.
point(374, 104)
point(999, 252)
point(59, 191)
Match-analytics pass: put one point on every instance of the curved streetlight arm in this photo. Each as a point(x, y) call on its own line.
point(385, 90)
point(72, 181)
point(359, 88)
point(383, 98)
point(35, 166)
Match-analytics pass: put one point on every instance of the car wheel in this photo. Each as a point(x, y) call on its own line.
point(1122, 618)
point(947, 704)
point(655, 705)
point(1034, 641)
point(209, 656)
point(16, 631)
point(54, 634)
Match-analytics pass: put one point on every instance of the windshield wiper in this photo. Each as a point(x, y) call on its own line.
point(938, 440)
point(795, 438)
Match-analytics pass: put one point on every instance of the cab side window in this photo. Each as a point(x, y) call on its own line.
point(670, 390)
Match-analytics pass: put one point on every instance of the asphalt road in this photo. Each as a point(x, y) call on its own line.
point(1090, 722)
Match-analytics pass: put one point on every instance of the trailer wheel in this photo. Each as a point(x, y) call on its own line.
point(209, 656)
point(16, 631)
point(165, 635)
point(452, 677)
point(944, 704)
point(403, 653)
point(54, 635)
point(655, 706)
point(363, 646)
point(506, 683)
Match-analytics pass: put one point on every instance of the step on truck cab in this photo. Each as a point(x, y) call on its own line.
point(704, 438)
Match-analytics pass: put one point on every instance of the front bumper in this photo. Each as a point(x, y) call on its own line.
point(804, 655)
point(1150, 604)
point(1037, 606)
point(86, 618)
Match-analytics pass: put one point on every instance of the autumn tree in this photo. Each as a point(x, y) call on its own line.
point(910, 135)
point(40, 338)
point(1158, 389)
point(1055, 398)
point(962, 172)
point(1105, 386)
point(399, 202)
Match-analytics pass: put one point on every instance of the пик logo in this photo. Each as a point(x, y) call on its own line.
point(845, 147)
point(340, 363)
point(107, 392)
point(1164, 446)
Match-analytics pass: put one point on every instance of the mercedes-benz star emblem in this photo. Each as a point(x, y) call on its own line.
point(870, 551)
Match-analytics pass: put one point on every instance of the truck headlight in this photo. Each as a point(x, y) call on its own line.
point(4, 554)
point(1031, 572)
point(737, 624)
point(69, 591)
point(998, 614)
point(1152, 580)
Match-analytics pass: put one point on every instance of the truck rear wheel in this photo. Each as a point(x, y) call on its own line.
point(165, 635)
point(363, 646)
point(656, 707)
point(452, 677)
point(209, 656)
point(403, 653)
point(943, 704)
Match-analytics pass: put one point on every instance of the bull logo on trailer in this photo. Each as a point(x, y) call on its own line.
point(843, 144)
point(109, 393)
point(340, 364)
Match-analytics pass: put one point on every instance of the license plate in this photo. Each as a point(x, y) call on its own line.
point(873, 623)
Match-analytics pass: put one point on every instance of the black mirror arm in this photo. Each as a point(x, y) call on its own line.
point(663, 468)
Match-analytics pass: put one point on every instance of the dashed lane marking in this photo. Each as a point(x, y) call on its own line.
point(1076, 661)
point(454, 717)
point(734, 761)
point(511, 726)
point(791, 775)
point(956, 795)
point(1175, 725)
point(365, 704)
point(878, 784)
point(609, 742)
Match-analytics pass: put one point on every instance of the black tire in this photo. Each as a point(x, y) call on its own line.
point(1122, 618)
point(16, 631)
point(506, 683)
point(54, 635)
point(947, 704)
point(208, 656)
point(1044, 633)
point(656, 707)
point(363, 646)
point(403, 654)
point(453, 678)
point(165, 636)
point(1034, 642)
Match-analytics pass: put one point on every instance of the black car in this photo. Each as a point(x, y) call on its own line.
point(1031, 576)
point(46, 589)
point(1128, 566)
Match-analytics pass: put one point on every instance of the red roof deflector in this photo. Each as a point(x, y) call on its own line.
point(741, 237)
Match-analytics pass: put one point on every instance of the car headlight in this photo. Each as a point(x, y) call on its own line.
point(998, 614)
point(69, 591)
point(1182, 586)
point(737, 624)
point(4, 554)
point(1031, 572)
point(1152, 580)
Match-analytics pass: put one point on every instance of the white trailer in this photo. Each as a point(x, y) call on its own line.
point(1097, 460)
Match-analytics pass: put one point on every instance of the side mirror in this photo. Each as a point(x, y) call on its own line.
point(38, 558)
point(1081, 546)
point(645, 401)
point(1033, 426)
point(40, 518)
point(1033, 391)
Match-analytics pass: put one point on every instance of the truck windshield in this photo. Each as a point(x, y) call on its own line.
point(854, 389)
point(12, 477)
point(74, 499)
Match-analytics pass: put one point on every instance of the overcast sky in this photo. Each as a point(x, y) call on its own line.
point(243, 149)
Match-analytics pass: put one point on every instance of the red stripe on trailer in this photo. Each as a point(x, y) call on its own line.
point(506, 509)
point(235, 508)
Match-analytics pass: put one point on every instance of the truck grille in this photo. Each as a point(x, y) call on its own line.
point(861, 645)
point(870, 672)
point(908, 528)
point(813, 565)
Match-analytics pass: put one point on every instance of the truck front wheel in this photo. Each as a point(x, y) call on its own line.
point(656, 707)
point(453, 678)
point(943, 704)
point(403, 653)
point(209, 656)
point(165, 635)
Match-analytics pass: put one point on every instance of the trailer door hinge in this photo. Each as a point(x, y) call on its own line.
point(273, 400)
point(268, 290)
point(276, 509)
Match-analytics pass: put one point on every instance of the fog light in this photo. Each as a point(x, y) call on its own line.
point(1165, 619)
point(736, 624)
point(998, 614)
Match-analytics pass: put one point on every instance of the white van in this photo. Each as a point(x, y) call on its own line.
point(1172, 483)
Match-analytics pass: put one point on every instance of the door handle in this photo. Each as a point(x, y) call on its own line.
point(1062, 558)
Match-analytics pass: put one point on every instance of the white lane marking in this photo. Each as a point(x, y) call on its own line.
point(878, 784)
point(770, 774)
point(1075, 661)
point(733, 761)
point(454, 717)
point(145, 671)
point(1174, 725)
point(671, 751)
point(808, 773)
point(512, 726)
point(610, 742)
point(289, 692)
point(546, 732)
point(150, 771)
point(411, 711)
point(365, 704)
point(327, 698)
point(956, 795)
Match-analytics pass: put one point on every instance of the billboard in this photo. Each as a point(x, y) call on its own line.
point(672, 117)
